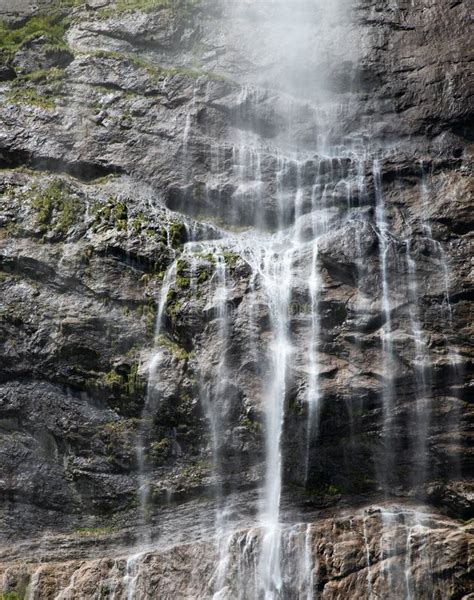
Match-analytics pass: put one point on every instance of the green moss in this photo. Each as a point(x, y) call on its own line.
point(121, 427)
point(191, 73)
point(322, 489)
point(253, 426)
point(112, 378)
point(68, 3)
point(29, 96)
point(146, 278)
point(93, 531)
point(207, 256)
point(173, 305)
point(10, 596)
point(122, 6)
point(125, 384)
point(56, 208)
point(159, 451)
point(50, 27)
point(195, 473)
point(131, 58)
point(203, 276)
point(44, 75)
point(231, 258)
point(138, 222)
point(113, 213)
point(102, 180)
point(12, 229)
point(25, 90)
point(177, 234)
point(174, 235)
point(119, 437)
point(135, 384)
point(332, 490)
point(120, 215)
point(68, 215)
point(177, 351)
point(6, 276)
point(148, 312)
point(157, 72)
point(182, 281)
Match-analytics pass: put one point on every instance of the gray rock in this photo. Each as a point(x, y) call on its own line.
point(120, 148)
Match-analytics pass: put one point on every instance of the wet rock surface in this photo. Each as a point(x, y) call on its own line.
point(122, 139)
point(349, 555)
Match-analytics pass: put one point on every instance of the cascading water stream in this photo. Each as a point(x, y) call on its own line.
point(367, 558)
point(438, 248)
point(250, 564)
point(314, 393)
point(386, 330)
point(393, 575)
point(285, 27)
point(385, 467)
point(276, 281)
point(213, 396)
point(132, 573)
point(422, 365)
point(294, 377)
point(151, 400)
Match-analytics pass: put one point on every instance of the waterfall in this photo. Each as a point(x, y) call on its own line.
point(314, 393)
point(422, 366)
point(213, 395)
point(386, 329)
point(276, 280)
point(235, 299)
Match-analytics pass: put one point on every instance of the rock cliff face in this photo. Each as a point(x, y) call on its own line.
point(350, 553)
point(142, 146)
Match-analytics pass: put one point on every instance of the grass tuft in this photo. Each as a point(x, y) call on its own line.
point(123, 6)
point(29, 97)
point(51, 28)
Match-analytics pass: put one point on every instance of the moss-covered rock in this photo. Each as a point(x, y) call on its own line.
point(31, 97)
point(160, 450)
point(51, 28)
point(113, 213)
point(124, 387)
point(56, 207)
point(11, 596)
point(177, 351)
